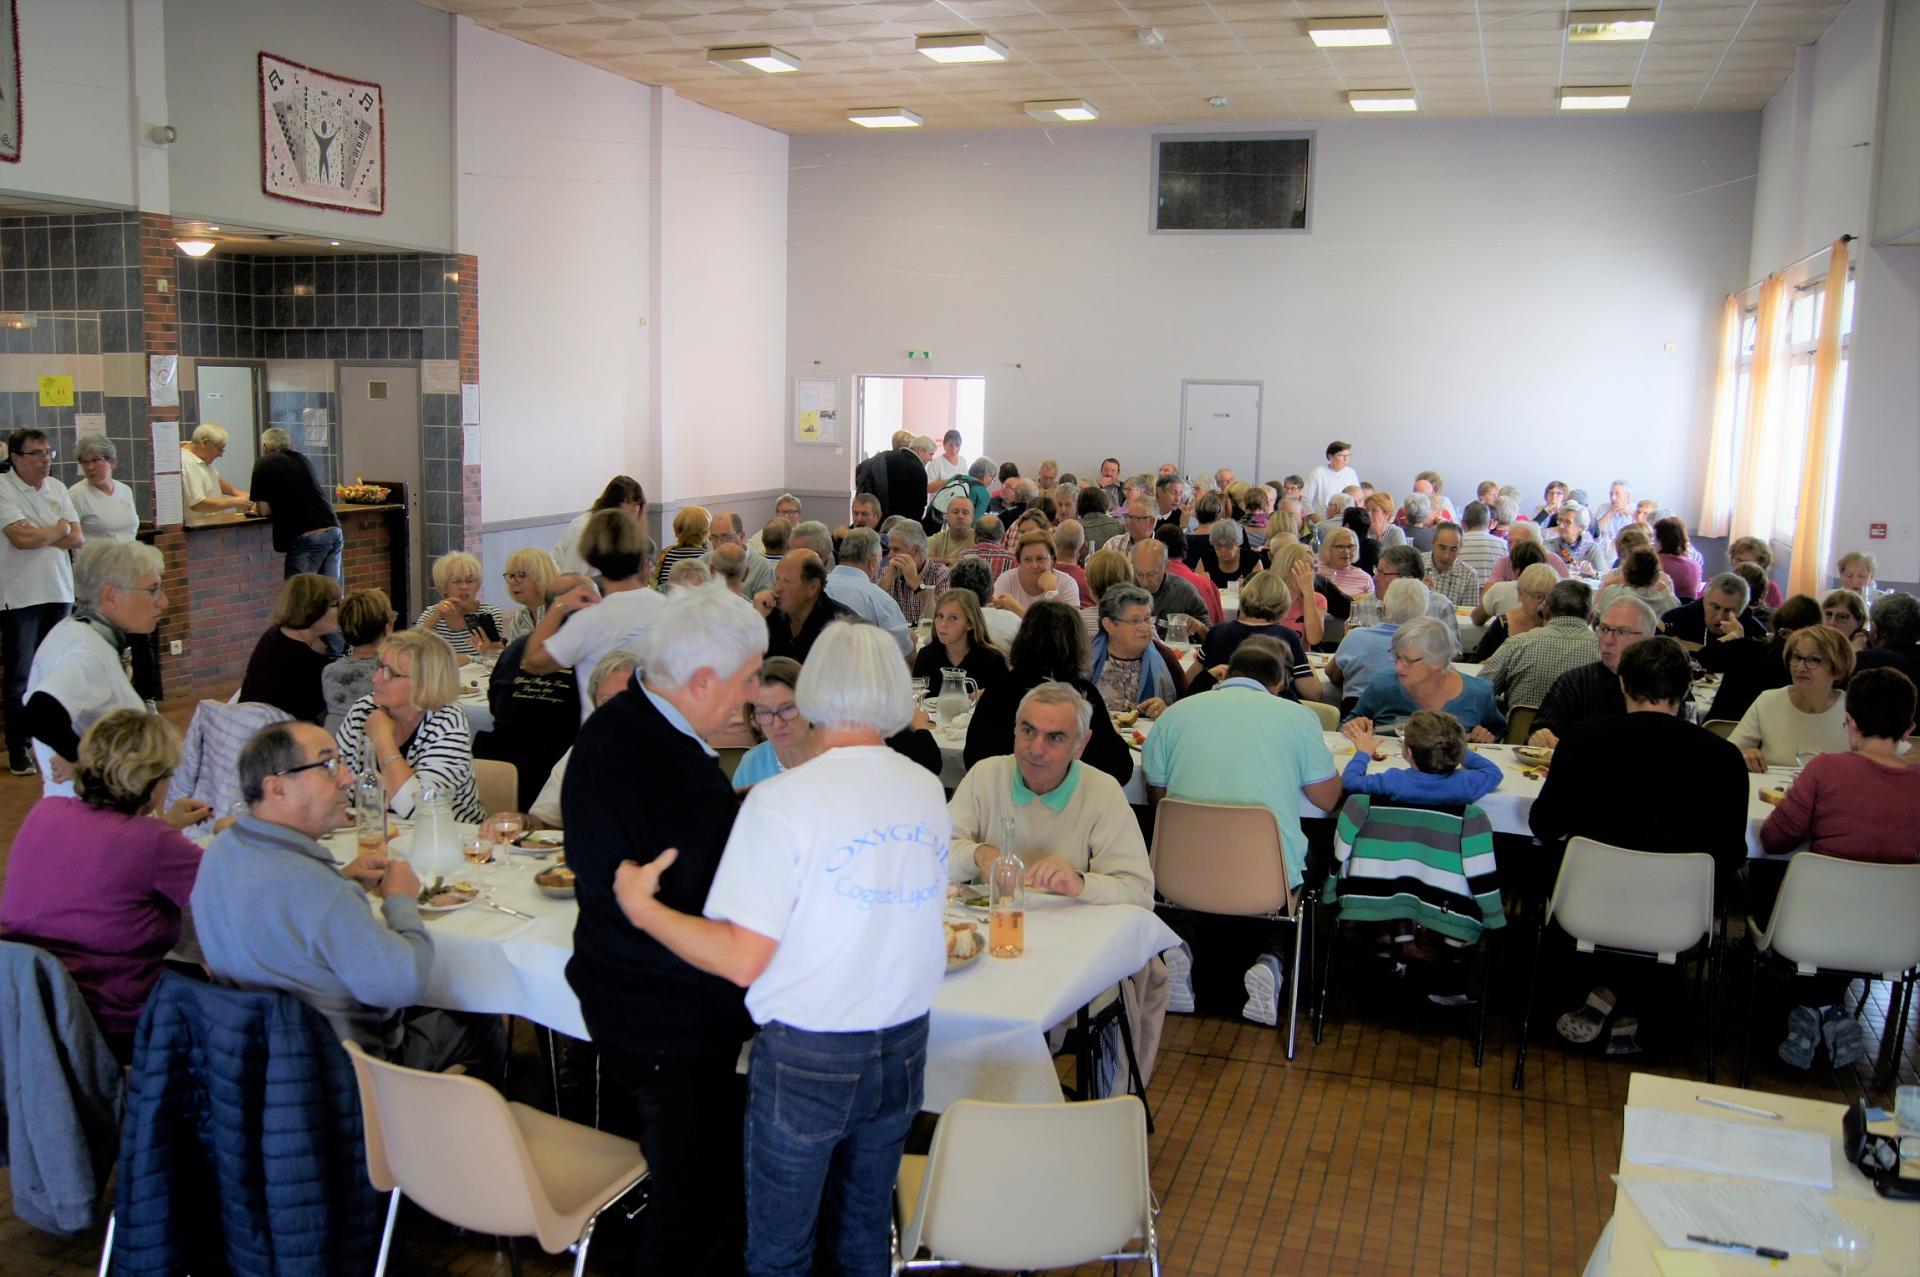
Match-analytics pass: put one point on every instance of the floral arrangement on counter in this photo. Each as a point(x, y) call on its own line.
point(360, 492)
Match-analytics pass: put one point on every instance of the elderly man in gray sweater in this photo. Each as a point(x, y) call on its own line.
point(272, 911)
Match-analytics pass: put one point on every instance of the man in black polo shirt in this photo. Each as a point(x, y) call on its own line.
point(1593, 690)
point(800, 606)
point(284, 490)
point(642, 778)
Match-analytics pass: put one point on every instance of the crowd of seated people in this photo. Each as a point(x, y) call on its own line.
point(1208, 608)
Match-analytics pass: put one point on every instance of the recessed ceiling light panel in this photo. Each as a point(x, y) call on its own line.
point(1602, 26)
point(756, 57)
point(1071, 109)
point(960, 47)
point(1597, 97)
point(1349, 33)
point(1381, 100)
point(884, 117)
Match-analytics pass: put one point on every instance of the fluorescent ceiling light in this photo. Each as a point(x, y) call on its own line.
point(1348, 33)
point(1383, 100)
point(1064, 109)
point(761, 57)
point(963, 46)
point(1586, 26)
point(194, 247)
point(1597, 97)
point(884, 117)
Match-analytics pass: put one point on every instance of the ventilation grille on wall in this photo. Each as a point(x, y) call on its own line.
point(1231, 182)
point(376, 390)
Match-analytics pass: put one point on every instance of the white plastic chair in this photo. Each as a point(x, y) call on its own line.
point(1029, 1186)
point(1645, 904)
point(1844, 917)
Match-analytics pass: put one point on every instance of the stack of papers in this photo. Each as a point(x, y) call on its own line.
point(1657, 1137)
point(1785, 1217)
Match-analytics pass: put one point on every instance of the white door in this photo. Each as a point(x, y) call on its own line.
point(229, 398)
point(1220, 428)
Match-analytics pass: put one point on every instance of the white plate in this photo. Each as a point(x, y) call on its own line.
point(434, 910)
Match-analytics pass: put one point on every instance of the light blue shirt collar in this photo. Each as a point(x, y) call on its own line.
point(674, 716)
point(1251, 684)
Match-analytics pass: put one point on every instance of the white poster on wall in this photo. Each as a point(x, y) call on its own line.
point(469, 405)
point(166, 447)
point(470, 445)
point(163, 381)
point(816, 410)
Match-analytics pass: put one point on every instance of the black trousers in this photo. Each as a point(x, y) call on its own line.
point(691, 1109)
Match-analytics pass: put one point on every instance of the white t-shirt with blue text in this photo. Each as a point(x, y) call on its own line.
point(843, 860)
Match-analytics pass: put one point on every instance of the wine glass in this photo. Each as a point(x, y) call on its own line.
point(1846, 1247)
point(503, 828)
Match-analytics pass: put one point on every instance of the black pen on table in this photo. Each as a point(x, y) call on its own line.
point(1765, 1252)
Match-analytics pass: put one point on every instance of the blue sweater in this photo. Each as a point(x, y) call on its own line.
point(272, 912)
point(1386, 703)
point(1472, 781)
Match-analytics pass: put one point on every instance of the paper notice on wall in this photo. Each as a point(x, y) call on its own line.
point(166, 447)
point(89, 423)
point(313, 438)
point(163, 381)
point(56, 391)
point(166, 499)
point(469, 405)
point(816, 403)
point(470, 445)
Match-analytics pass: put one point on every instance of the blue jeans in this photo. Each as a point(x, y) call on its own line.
point(316, 552)
point(827, 1116)
point(21, 630)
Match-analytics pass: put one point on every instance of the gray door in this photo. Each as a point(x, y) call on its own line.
point(380, 441)
point(229, 397)
point(1220, 428)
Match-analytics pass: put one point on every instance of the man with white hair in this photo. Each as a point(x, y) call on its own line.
point(76, 677)
point(1366, 650)
point(1524, 668)
point(911, 578)
point(40, 527)
point(785, 506)
point(286, 492)
point(202, 487)
point(726, 529)
point(1138, 520)
point(642, 778)
point(853, 584)
point(1616, 516)
point(1593, 690)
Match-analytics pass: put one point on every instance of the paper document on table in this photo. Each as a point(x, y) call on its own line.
point(1656, 1137)
point(1787, 1217)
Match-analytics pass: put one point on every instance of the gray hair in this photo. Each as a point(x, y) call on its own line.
point(207, 432)
point(786, 498)
point(1506, 509)
point(1418, 506)
point(1151, 548)
point(1406, 561)
point(1473, 517)
point(1338, 502)
point(1730, 583)
point(860, 546)
point(1405, 599)
point(615, 662)
point(909, 535)
point(1645, 620)
point(271, 751)
point(1569, 598)
point(983, 467)
point(854, 677)
point(922, 443)
point(1425, 639)
point(700, 627)
point(1057, 693)
point(116, 563)
point(96, 446)
point(1224, 532)
point(1026, 490)
point(274, 439)
point(1578, 513)
point(1525, 532)
point(1119, 597)
point(1068, 544)
point(812, 534)
point(972, 573)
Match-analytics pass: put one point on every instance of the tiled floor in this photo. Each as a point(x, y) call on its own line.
point(1381, 1151)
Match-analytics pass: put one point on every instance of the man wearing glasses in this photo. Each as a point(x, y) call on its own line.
point(273, 912)
point(202, 487)
point(1593, 690)
point(36, 574)
point(1138, 520)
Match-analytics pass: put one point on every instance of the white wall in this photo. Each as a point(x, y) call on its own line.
point(1816, 183)
point(1897, 199)
point(723, 302)
point(1490, 298)
point(76, 96)
point(554, 169)
point(213, 81)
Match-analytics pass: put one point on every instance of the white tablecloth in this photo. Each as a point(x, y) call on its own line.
point(473, 695)
point(988, 1034)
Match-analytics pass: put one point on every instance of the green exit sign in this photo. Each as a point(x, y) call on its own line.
point(919, 354)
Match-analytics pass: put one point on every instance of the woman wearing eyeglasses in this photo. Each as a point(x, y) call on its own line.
point(1807, 716)
point(786, 739)
point(529, 575)
point(409, 729)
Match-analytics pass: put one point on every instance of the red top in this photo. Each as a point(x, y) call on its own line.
point(103, 893)
point(1209, 592)
point(1079, 575)
point(1685, 575)
point(1849, 806)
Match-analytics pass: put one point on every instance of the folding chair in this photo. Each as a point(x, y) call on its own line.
point(1721, 727)
point(1520, 724)
point(498, 783)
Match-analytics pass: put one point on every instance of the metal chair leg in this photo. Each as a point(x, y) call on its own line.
point(1753, 994)
point(1326, 977)
point(1138, 1084)
point(386, 1234)
point(1486, 987)
point(1293, 981)
point(1526, 1008)
point(1713, 988)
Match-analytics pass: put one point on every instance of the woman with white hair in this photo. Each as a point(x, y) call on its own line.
point(1423, 677)
point(1529, 609)
point(1573, 545)
point(469, 625)
point(106, 508)
point(826, 908)
point(76, 676)
point(1339, 560)
point(1366, 653)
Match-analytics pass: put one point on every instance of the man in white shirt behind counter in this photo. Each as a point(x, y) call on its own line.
point(202, 487)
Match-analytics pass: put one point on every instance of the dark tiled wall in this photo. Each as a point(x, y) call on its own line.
point(288, 408)
point(359, 307)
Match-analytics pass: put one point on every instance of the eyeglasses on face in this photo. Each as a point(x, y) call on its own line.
point(786, 713)
point(515, 576)
point(388, 670)
point(332, 762)
point(49, 453)
point(1615, 631)
point(1806, 659)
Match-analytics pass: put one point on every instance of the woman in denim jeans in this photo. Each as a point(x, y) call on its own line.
point(827, 908)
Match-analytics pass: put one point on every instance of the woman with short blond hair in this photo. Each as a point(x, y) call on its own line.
point(470, 626)
point(529, 576)
point(1784, 725)
point(409, 730)
point(290, 660)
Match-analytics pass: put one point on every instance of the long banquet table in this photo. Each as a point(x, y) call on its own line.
point(987, 1039)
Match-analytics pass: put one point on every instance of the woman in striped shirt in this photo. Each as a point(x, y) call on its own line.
point(1338, 557)
point(690, 529)
point(470, 627)
point(410, 731)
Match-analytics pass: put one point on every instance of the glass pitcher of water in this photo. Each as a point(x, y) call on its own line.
point(436, 837)
point(956, 694)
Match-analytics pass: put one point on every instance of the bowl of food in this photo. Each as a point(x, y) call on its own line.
point(1534, 755)
point(441, 896)
point(360, 492)
point(556, 882)
point(541, 842)
point(964, 945)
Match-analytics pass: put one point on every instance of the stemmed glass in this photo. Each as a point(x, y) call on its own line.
point(1846, 1248)
point(503, 828)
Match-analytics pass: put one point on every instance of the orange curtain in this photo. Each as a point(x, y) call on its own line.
point(1813, 521)
point(1759, 459)
point(1716, 506)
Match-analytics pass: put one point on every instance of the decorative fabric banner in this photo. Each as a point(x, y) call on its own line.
point(323, 138)
point(11, 117)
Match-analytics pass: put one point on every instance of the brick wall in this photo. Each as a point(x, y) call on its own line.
point(470, 376)
point(160, 327)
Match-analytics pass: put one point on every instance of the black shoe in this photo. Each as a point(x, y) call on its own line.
point(20, 763)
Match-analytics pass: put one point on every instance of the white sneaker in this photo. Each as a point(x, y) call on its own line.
point(1263, 981)
point(1179, 960)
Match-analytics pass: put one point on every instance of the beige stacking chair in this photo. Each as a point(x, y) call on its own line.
point(1721, 727)
point(1329, 715)
point(468, 1156)
point(498, 783)
point(1844, 917)
point(1226, 859)
point(1029, 1186)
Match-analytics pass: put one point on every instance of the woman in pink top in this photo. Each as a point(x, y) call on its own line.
point(1670, 539)
point(99, 880)
point(1338, 556)
point(1033, 577)
point(1862, 805)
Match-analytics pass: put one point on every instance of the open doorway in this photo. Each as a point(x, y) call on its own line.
point(928, 406)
